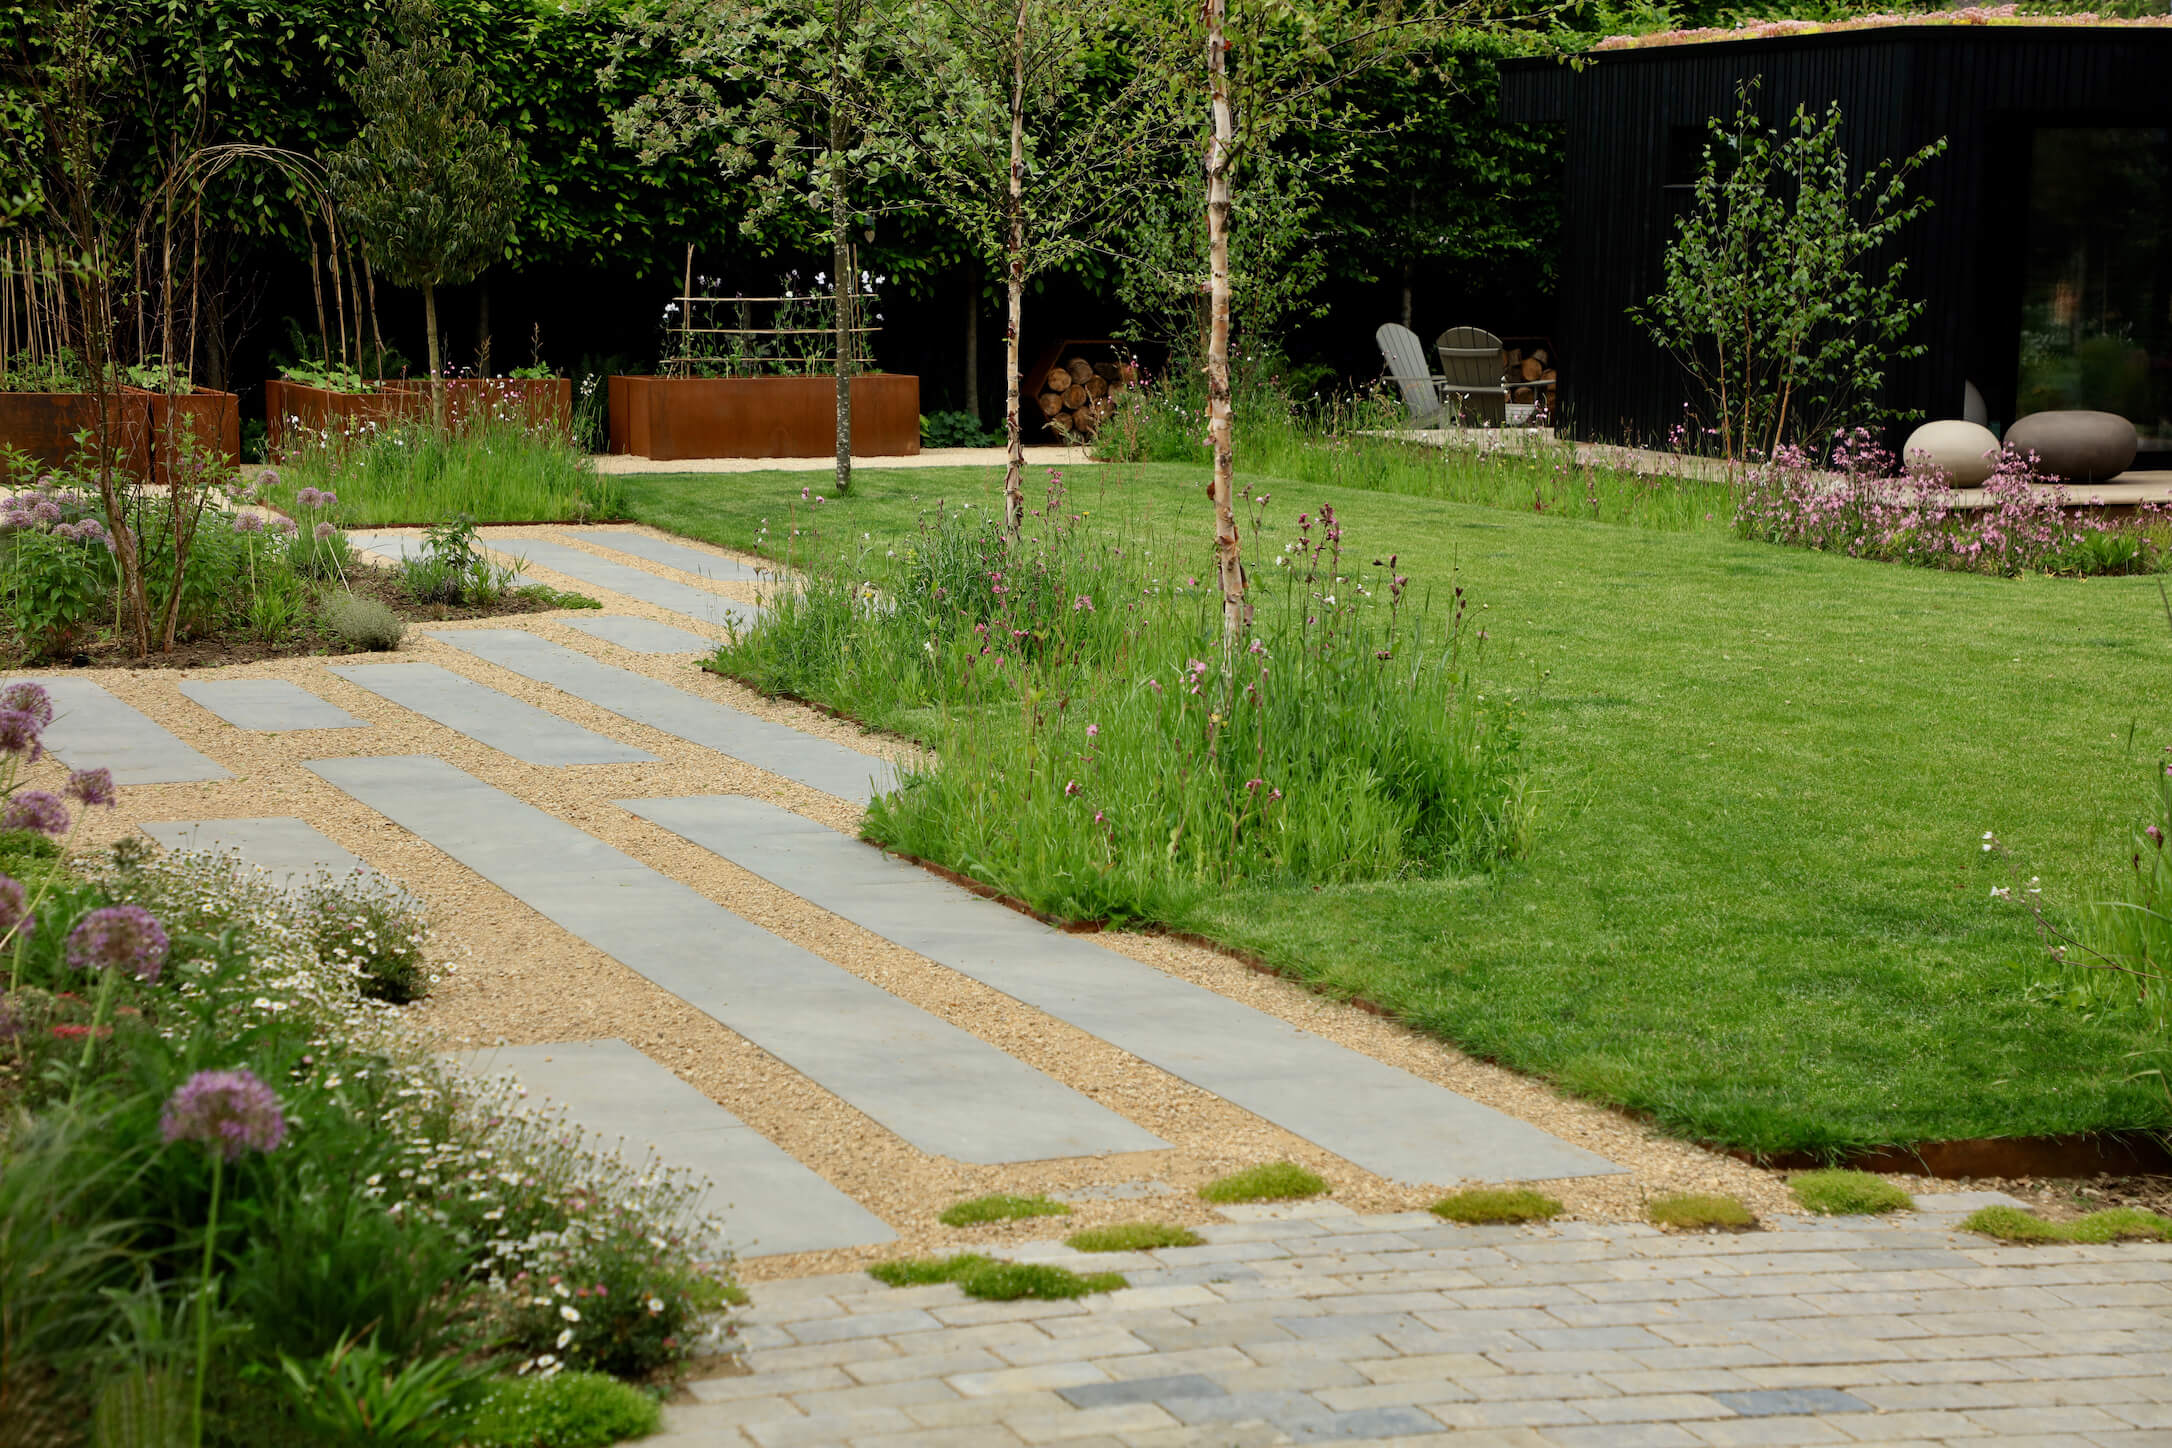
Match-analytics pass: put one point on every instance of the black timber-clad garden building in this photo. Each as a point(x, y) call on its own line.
point(2045, 261)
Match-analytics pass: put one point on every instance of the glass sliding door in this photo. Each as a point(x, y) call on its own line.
point(2097, 299)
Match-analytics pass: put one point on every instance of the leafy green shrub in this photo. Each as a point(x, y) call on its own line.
point(549, 597)
point(957, 429)
point(1497, 1204)
point(565, 1410)
point(1848, 1193)
point(452, 567)
point(1276, 1181)
point(1132, 1237)
point(1697, 1211)
point(363, 623)
point(1000, 1207)
point(358, 1394)
point(2013, 1224)
point(984, 1277)
point(56, 569)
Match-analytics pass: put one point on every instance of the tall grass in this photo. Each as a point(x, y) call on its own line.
point(494, 470)
point(1349, 441)
point(1103, 756)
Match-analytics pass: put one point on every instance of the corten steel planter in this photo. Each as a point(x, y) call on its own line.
point(541, 403)
point(152, 427)
point(762, 417)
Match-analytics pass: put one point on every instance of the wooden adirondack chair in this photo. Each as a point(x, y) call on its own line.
point(1471, 368)
point(1403, 358)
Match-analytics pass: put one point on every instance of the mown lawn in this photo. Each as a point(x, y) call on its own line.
point(1758, 908)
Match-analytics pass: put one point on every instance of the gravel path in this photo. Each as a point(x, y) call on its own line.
point(520, 979)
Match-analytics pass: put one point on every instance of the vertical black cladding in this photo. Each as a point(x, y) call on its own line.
point(1984, 89)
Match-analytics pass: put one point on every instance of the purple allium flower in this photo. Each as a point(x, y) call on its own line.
point(119, 937)
point(285, 527)
point(14, 912)
point(326, 497)
point(46, 511)
point(308, 498)
point(19, 730)
point(325, 530)
point(229, 1111)
point(31, 699)
point(35, 809)
point(267, 479)
point(93, 786)
point(248, 522)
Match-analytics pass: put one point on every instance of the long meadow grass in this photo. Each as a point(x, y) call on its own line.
point(494, 470)
point(1103, 755)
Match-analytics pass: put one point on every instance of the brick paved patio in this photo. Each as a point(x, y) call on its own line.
point(1311, 1323)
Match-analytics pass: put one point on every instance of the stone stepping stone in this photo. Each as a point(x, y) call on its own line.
point(769, 1203)
point(482, 713)
point(1385, 1120)
point(941, 1089)
point(778, 748)
point(642, 635)
point(631, 582)
point(388, 547)
point(92, 728)
point(270, 705)
point(671, 555)
point(291, 851)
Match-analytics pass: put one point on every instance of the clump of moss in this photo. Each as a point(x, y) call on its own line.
point(1837, 1193)
point(1695, 1211)
point(1132, 1237)
point(995, 1281)
point(1497, 1204)
point(1276, 1181)
point(2012, 1224)
point(999, 1207)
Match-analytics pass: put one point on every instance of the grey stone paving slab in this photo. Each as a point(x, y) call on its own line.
point(1385, 1120)
point(778, 748)
point(642, 635)
point(1143, 1390)
point(769, 1202)
point(668, 553)
point(632, 582)
point(271, 705)
point(482, 713)
point(92, 729)
point(945, 1091)
point(289, 849)
point(1776, 1402)
point(388, 547)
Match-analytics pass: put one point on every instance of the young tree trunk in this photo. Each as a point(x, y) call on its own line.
point(841, 255)
point(437, 390)
point(1014, 281)
point(1228, 553)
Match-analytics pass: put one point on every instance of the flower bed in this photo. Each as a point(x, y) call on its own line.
point(297, 414)
point(215, 1132)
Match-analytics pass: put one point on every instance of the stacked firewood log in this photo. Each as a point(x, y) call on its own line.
point(1077, 396)
point(1534, 366)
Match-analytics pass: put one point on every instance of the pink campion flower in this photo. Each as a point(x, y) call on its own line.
point(230, 1112)
point(1070, 787)
point(1093, 731)
point(119, 937)
point(35, 809)
point(93, 786)
point(1252, 785)
point(2156, 837)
